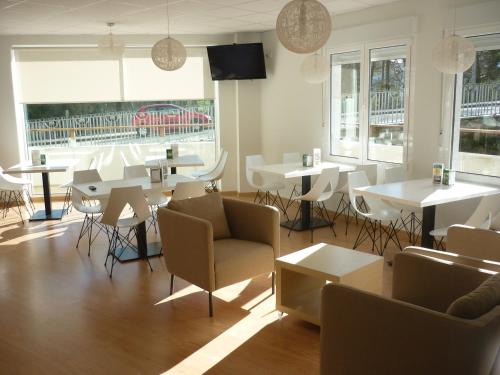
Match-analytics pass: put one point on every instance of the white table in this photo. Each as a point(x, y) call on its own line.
point(103, 190)
point(173, 164)
point(424, 194)
point(301, 275)
point(59, 166)
point(293, 170)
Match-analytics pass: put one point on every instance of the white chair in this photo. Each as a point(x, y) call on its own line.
point(13, 190)
point(154, 199)
point(487, 208)
point(268, 184)
point(411, 221)
point(92, 210)
point(201, 172)
point(322, 190)
point(210, 179)
point(344, 206)
point(378, 213)
point(111, 218)
point(188, 189)
point(67, 207)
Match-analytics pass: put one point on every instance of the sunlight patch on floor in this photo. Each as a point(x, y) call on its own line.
point(34, 236)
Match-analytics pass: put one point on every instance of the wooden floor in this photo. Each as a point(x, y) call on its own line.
point(61, 314)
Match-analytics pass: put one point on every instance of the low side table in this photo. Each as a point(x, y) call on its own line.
point(301, 276)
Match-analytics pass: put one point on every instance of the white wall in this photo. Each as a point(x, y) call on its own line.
point(292, 110)
point(239, 103)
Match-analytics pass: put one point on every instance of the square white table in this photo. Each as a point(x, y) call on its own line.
point(103, 190)
point(425, 194)
point(173, 164)
point(293, 170)
point(301, 275)
point(50, 167)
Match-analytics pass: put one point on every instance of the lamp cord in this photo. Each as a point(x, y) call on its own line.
point(168, 22)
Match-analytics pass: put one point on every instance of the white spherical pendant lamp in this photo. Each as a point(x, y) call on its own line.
point(304, 26)
point(453, 55)
point(315, 69)
point(168, 53)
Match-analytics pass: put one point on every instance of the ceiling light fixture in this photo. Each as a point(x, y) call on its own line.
point(110, 45)
point(168, 53)
point(453, 54)
point(304, 26)
point(315, 69)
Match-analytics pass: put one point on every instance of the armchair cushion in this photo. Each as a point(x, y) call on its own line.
point(208, 207)
point(478, 302)
point(237, 260)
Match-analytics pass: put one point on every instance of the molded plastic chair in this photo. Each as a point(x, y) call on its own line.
point(344, 206)
point(481, 217)
point(118, 199)
point(268, 184)
point(91, 210)
point(202, 172)
point(188, 189)
point(215, 174)
point(67, 206)
point(13, 190)
point(322, 190)
point(378, 213)
point(411, 223)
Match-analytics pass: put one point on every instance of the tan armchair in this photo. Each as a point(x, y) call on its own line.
point(466, 245)
point(192, 254)
point(411, 333)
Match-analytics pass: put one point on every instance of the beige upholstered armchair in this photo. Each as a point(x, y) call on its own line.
point(205, 253)
point(414, 332)
point(466, 245)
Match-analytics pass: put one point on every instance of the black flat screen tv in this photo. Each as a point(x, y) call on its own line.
point(237, 61)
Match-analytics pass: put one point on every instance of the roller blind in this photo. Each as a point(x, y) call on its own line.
point(142, 80)
point(66, 75)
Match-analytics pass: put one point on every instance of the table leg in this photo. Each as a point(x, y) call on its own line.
point(48, 213)
point(144, 249)
point(428, 218)
point(173, 170)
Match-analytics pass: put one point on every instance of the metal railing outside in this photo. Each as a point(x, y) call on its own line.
point(193, 124)
point(480, 99)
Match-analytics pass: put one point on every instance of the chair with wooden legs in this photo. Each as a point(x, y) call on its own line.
point(113, 221)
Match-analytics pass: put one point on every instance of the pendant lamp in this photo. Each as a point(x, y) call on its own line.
point(110, 45)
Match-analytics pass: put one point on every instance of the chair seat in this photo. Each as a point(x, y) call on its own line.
point(84, 209)
point(237, 260)
point(199, 173)
point(384, 214)
point(128, 222)
point(272, 186)
point(439, 232)
point(158, 199)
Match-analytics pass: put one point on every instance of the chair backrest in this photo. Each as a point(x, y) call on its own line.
point(370, 172)
point(487, 207)
point(329, 177)
point(359, 179)
point(189, 189)
point(119, 198)
point(218, 172)
point(292, 157)
point(83, 177)
point(134, 171)
point(394, 174)
point(252, 161)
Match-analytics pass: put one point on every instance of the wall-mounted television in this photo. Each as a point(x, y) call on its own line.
point(237, 61)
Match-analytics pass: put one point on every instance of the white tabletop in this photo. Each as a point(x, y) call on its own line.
point(180, 161)
point(328, 260)
point(55, 166)
point(103, 188)
point(293, 170)
point(423, 193)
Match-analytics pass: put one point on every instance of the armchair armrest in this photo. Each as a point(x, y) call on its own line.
point(363, 333)
point(188, 246)
point(433, 283)
point(474, 242)
point(254, 222)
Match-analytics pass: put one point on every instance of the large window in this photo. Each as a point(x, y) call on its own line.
point(368, 92)
point(476, 138)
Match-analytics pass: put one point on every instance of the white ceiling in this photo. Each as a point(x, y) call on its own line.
point(149, 16)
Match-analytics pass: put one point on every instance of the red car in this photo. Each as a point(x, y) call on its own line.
point(166, 114)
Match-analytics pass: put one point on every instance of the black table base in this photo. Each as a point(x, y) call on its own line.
point(299, 226)
point(128, 254)
point(42, 215)
point(428, 221)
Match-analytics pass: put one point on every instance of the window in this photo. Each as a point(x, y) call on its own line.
point(368, 96)
point(476, 134)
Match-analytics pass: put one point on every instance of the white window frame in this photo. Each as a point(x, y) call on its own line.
point(364, 49)
point(449, 136)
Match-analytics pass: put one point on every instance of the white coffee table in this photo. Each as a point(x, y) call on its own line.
point(301, 275)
